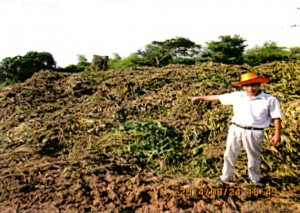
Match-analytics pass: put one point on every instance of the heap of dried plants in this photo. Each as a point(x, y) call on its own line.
point(131, 141)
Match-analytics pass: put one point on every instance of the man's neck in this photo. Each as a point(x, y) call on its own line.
point(254, 95)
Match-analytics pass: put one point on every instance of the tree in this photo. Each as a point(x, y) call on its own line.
point(161, 53)
point(228, 50)
point(133, 60)
point(20, 68)
point(115, 62)
point(10, 69)
point(82, 60)
point(82, 65)
point(294, 53)
point(269, 52)
point(116, 57)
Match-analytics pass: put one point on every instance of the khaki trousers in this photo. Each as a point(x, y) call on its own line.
point(252, 142)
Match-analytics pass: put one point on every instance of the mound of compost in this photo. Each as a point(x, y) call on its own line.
point(130, 140)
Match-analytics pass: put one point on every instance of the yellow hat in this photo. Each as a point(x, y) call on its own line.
point(250, 78)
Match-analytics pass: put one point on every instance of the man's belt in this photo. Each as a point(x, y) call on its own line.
point(248, 127)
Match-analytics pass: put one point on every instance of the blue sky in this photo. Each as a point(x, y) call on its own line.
point(66, 28)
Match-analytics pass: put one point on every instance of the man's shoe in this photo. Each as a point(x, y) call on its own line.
point(222, 182)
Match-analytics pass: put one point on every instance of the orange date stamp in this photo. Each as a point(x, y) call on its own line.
point(229, 192)
point(254, 191)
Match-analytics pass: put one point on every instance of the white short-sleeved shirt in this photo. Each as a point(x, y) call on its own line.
point(255, 111)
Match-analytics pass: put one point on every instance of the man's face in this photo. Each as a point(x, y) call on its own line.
point(252, 89)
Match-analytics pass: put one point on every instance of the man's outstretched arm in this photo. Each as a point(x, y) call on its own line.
point(206, 98)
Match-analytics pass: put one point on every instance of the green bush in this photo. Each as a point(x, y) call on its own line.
point(152, 142)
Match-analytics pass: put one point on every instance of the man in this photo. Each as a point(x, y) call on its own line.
point(253, 111)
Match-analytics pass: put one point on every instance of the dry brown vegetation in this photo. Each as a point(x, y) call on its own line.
point(131, 141)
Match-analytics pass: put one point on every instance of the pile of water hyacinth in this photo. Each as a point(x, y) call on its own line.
point(130, 140)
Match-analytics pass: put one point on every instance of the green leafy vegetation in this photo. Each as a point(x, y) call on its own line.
point(152, 141)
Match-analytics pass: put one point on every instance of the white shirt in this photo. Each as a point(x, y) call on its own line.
point(255, 111)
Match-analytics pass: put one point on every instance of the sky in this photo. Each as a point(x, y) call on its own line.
point(68, 28)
